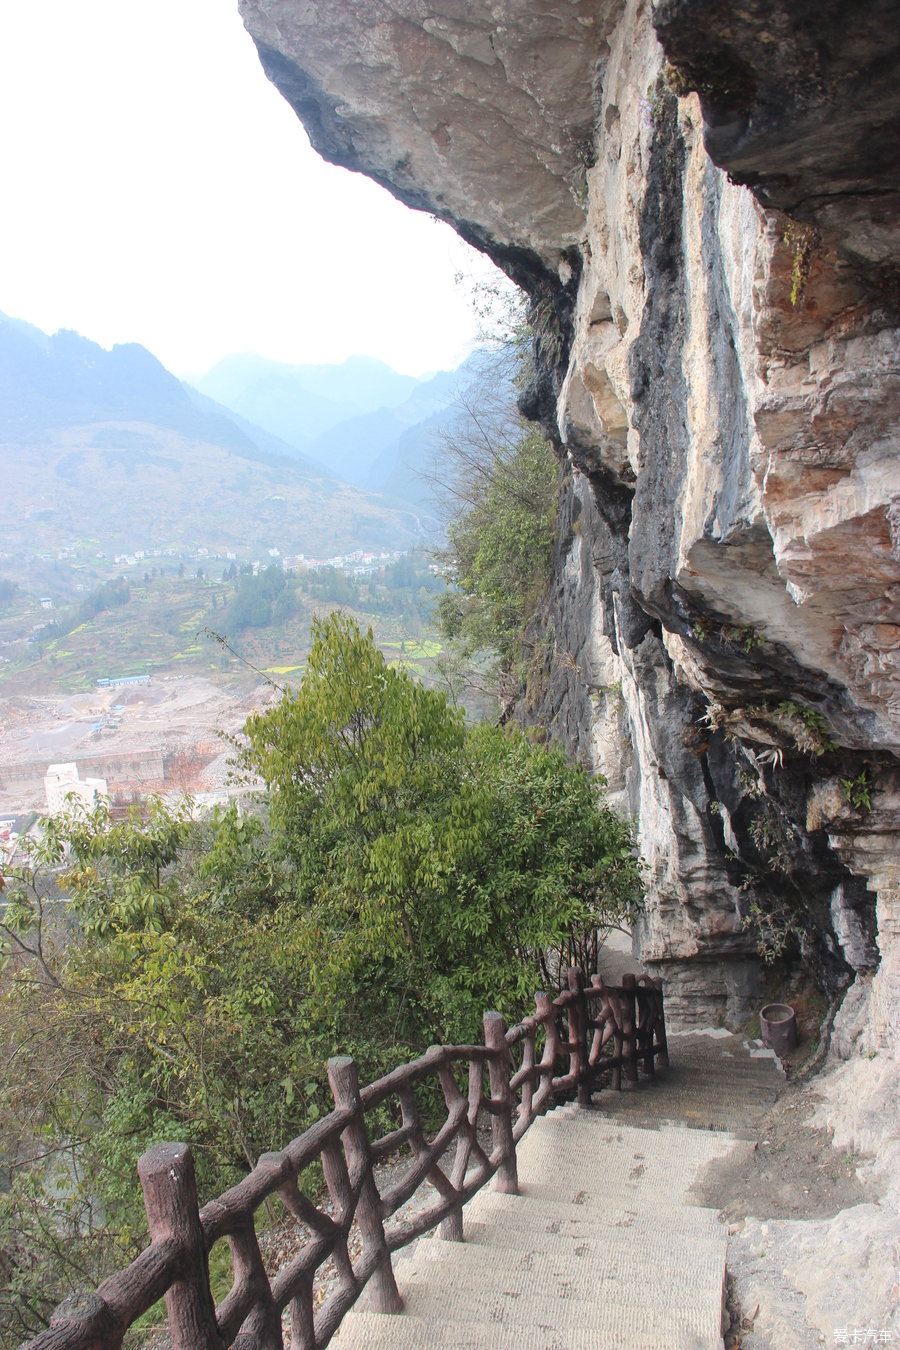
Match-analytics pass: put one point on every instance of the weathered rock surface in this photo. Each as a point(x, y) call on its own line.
point(719, 366)
point(481, 113)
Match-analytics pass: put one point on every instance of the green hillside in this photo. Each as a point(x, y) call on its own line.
point(156, 622)
point(118, 488)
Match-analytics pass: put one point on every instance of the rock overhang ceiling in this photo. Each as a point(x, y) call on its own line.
point(480, 113)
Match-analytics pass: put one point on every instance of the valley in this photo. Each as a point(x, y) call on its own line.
point(135, 507)
point(52, 706)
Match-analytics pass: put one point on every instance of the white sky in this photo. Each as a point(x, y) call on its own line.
point(156, 188)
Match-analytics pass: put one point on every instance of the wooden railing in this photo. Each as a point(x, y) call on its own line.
point(607, 1031)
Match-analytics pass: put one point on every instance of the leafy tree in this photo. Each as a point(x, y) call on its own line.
point(458, 860)
point(334, 586)
point(252, 606)
point(285, 606)
point(175, 1010)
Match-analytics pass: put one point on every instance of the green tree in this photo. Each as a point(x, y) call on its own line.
point(457, 861)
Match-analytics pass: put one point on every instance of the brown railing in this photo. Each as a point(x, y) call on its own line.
point(607, 1031)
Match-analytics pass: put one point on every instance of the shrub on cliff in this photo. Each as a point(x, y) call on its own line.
point(500, 549)
point(498, 480)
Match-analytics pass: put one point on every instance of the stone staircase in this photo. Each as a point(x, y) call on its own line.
point(603, 1249)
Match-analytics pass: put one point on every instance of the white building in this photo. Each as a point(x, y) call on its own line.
point(62, 781)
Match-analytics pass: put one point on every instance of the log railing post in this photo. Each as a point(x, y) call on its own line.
point(629, 1029)
point(646, 1018)
point(384, 1296)
point(659, 1024)
point(499, 1062)
point(525, 1110)
point(615, 1007)
point(578, 1019)
point(82, 1319)
point(167, 1178)
point(545, 1016)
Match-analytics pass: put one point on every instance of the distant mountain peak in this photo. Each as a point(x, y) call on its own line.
point(298, 403)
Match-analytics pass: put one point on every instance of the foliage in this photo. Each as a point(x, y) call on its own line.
point(107, 596)
point(802, 239)
point(166, 977)
point(776, 924)
point(858, 791)
point(8, 591)
point(804, 726)
point(456, 857)
point(49, 1244)
point(744, 636)
point(808, 727)
point(500, 548)
point(259, 600)
point(172, 1011)
point(497, 481)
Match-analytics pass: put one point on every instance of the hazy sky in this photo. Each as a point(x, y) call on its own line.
point(156, 188)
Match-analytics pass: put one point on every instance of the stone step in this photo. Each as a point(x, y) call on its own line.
point(507, 1216)
point(729, 1107)
point(623, 1329)
point(657, 1275)
point(602, 1249)
point(595, 1199)
point(660, 1176)
point(610, 1142)
point(614, 1154)
point(588, 1125)
point(551, 1307)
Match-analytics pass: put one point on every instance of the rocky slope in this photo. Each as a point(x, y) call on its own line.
point(702, 202)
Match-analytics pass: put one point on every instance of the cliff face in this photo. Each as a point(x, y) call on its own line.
point(719, 366)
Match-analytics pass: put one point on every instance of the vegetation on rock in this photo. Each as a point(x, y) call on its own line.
point(501, 496)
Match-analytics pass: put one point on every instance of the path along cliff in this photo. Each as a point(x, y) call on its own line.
point(701, 200)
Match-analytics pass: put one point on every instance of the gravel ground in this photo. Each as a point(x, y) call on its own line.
point(791, 1171)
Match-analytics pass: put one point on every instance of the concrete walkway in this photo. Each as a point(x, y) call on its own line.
point(603, 1249)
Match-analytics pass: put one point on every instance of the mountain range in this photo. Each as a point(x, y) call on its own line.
point(360, 420)
point(346, 421)
point(299, 403)
point(110, 447)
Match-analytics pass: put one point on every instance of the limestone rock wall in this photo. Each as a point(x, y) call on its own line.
point(718, 364)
